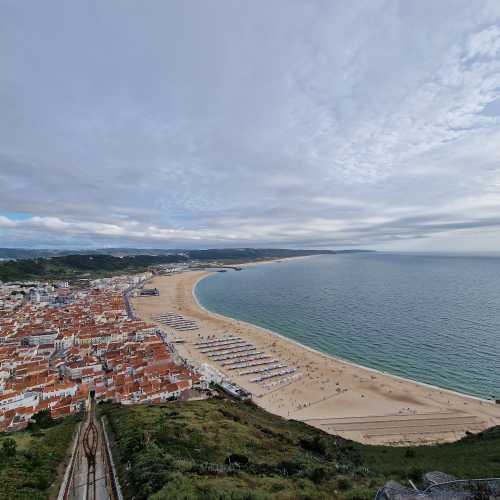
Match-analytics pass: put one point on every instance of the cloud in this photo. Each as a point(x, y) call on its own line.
point(6, 222)
point(318, 124)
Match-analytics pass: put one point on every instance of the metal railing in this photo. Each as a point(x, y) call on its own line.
point(91, 448)
point(114, 485)
point(463, 489)
point(68, 476)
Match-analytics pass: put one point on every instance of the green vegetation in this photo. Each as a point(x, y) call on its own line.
point(74, 266)
point(215, 253)
point(218, 449)
point(250, 254)
point(31, 461)
point(102, 265)
point(475, 456)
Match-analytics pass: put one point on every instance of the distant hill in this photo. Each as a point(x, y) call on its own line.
point(220, 449)
point(74, 265)
point(33, 253)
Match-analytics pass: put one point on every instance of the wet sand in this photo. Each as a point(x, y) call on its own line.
point(334, 395)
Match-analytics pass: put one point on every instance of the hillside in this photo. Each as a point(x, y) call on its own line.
point(217, 253)
point(72, 266)
point(218, 449)
point(97, 265)
point(31, 461)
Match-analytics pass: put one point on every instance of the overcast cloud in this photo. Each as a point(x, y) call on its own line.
point(326, 124)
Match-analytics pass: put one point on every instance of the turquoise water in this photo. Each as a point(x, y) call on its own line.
point(434, 319)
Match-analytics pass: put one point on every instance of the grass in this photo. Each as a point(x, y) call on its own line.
point(219, 449)
point(22, 439)
point(475, 456)
point(36, 466)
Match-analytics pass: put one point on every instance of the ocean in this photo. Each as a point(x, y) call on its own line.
point(430, 318)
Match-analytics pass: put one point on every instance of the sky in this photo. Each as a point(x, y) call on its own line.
point(301, 124)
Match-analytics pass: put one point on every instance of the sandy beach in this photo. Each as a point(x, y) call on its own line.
point(331, 394)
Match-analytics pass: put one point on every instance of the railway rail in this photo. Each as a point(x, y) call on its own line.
point(90, 473)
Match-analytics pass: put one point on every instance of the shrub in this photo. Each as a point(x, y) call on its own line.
point(316, 445)
point(235, 458)
point(9, 447)
point(362, 494)
point(318, 474)
point(43, 421)
point(149, 470)
point(415, 473)
point(343, 484)
point(177, 488)
point(288, 468)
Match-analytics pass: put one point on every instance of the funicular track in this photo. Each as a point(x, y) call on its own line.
point(90, 474)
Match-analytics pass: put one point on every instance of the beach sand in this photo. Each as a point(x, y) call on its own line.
point(331, 394)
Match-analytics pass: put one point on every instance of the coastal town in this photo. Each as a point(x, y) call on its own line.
point(59, 341)
point(143, 338)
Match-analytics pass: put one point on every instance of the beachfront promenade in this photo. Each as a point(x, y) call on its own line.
point(293, 381)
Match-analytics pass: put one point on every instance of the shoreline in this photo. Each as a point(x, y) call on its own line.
point(331, 356)
point(335, 395)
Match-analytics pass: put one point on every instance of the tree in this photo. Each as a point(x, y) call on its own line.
point(43, 420)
